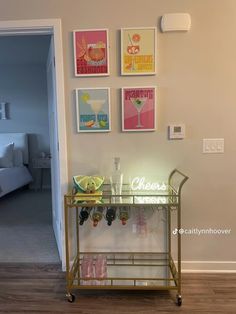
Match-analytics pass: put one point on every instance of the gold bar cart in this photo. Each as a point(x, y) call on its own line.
point(168, 200)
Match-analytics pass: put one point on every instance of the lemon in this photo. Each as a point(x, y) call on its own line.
point(98, 181)
point(85, 97)
point(82, 183)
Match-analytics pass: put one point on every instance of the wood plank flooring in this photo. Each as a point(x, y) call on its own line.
point(30, 288)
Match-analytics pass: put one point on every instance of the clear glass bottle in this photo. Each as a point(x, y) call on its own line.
point(116, 180)
point(97, 215)
point(124, 214)
point(84, 214)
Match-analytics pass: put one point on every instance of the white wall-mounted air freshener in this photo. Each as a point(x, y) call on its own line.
point(175, 22)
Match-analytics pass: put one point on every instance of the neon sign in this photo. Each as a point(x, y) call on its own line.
point(140, 184)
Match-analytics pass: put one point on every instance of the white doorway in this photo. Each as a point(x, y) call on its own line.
point(57, 123)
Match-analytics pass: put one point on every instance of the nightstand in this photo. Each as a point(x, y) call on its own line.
point(41, 164)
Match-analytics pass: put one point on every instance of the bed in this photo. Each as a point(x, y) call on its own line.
point(14, 159)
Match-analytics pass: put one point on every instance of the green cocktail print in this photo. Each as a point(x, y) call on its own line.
point(138, 104)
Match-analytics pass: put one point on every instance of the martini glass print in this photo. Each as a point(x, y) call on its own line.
point(96, 106)
point(138, 104)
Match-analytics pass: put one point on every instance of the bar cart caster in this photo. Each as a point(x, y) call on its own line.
point(70, 297)
point(178, 300)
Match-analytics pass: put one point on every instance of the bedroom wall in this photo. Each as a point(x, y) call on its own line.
point(196, 85)
point(24, 88)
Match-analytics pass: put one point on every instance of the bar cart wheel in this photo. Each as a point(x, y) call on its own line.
point(70, 297)
point(178, 300)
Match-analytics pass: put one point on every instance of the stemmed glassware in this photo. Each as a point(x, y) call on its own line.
point(138, 104)
point(96, 106)
point(132, 49)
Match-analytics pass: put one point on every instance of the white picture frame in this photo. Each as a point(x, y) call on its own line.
point(138, 51)
point(91, 52)
point(93, 110)
point(140, 117)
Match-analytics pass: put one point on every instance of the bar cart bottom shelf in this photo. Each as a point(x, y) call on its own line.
point(127, 271)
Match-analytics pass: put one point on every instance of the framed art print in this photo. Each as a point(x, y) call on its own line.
point(91, 57)
point(138, 108)
point(93, 109)
point(138, 51)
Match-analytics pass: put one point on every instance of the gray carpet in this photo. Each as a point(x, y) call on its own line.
point(26, 233)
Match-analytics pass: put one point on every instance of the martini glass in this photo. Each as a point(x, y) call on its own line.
point(138, 104)
point(96, 105)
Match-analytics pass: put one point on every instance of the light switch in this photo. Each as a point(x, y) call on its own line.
point(213, 145)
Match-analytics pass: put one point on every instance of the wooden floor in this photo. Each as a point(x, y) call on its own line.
point(41, 289)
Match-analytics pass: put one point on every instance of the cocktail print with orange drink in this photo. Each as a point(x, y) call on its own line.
point(138, 51)
point(132, 49)
point(91, 52)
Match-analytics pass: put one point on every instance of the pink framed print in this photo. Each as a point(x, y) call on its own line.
point(91, 55)
point(139, 108)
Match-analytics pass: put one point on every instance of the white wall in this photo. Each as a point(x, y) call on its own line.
point(196, 85)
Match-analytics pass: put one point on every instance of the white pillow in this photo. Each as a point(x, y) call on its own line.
point(6, 156)
point(18, 158)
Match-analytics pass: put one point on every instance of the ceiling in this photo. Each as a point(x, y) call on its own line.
point(26, 49)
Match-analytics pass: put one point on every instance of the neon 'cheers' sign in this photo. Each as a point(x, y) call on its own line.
point(140, 184)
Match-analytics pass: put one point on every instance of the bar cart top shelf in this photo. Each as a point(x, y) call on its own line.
point(169, 195)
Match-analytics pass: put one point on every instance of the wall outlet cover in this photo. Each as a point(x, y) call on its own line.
point(213, 145)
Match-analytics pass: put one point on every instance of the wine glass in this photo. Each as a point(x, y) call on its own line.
point(96, 106)
point(138, 104)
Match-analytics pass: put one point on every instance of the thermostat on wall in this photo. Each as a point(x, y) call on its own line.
point(176, 131)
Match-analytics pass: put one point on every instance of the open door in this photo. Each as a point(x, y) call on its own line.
point(57, 112)
point(54, 144)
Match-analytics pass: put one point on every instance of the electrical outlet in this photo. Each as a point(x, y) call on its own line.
point(213, 145)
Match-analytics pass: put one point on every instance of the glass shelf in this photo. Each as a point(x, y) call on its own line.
point(121, 273)
point(136, 198)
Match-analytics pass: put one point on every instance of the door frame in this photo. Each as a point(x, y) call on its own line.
point(50, 27)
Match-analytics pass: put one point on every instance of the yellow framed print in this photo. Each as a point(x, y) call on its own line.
point(138, 51)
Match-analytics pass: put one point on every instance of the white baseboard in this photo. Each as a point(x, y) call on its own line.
point(208, 266)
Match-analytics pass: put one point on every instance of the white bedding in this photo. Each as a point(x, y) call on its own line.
point(13, 178)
